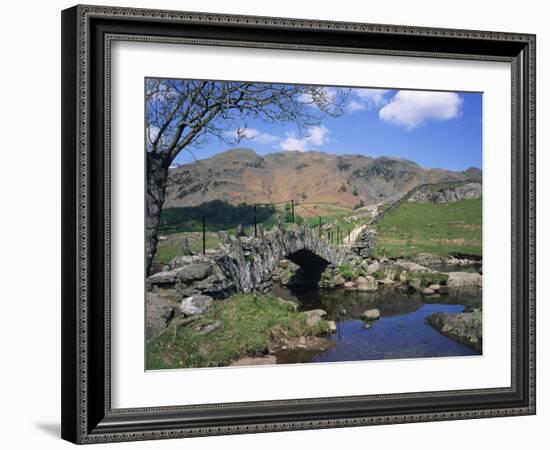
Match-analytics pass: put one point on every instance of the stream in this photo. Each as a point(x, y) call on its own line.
point(401, 331)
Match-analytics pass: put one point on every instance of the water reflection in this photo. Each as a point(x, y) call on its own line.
point(401, 331)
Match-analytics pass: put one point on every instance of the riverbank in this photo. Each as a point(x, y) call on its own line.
point(455, 273)
point(212, 334)
point(362, 294)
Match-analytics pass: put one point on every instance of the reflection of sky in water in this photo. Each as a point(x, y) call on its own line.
point(401, 331)
point(402, 336)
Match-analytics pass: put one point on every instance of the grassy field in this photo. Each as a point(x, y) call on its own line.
point(170, 246)
point(247, 324)
point(439, 229)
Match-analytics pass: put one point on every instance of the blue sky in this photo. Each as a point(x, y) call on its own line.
point(434, 129)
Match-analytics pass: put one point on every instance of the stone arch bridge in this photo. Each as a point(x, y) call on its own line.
point(245, 264)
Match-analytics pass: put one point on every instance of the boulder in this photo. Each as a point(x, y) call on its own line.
point(434, 287)
point(365, 264)
point(403, 277)
point(462, 327)
point(428, 291)
point(416, 283)
point(369, 285)
point(360, 280)
point(349, 285)
point(197, 304)
point(163, 279)
point(193, 272)
point(371, 314)
point(159, 312)
point(427, 259)
point(332, 326)
point(464, 280)
point(314, 316)
point(373, 267)
point(339, 280)
point(412, 267)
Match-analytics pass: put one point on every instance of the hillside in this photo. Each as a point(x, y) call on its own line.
point(241, 176)
point(441, 229)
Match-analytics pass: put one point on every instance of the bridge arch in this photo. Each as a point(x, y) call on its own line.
point(245, 264)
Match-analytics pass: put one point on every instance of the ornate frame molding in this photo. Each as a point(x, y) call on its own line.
point(85, 422)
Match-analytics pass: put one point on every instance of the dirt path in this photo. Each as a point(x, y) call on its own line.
point(373, 211)
point(354, 233)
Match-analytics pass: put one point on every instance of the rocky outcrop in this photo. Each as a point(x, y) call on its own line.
point(462, 327)
point(422, 191)
point(244, 264)
point(314, 316)
point(446, 192)
point(464, 280)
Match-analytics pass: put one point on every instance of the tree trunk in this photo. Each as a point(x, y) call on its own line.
point(157, 177)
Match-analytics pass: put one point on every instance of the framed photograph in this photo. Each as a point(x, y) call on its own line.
point(281, 224)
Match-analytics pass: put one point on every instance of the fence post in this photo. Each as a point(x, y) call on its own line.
point(255, 222)
point(319, 226)
point(338, 236)
point(203, 235)
point(292, 206)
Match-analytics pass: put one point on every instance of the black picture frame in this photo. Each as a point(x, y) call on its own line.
point(87, 416)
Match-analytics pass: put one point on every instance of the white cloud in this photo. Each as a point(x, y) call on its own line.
point(365, 99)
point(252, 134)
point(372, 97)
point(410, 109)
point(316, 135)
point(354, 105)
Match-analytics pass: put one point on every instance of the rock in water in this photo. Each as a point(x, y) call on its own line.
point(412, 267)
point(464, 279)
point(197, 304)
point(339, 280)
point(462, 327)
point(368, 285)
point(371, 314)
point(314, 316)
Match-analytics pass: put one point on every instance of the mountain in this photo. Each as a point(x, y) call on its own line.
point(241, 176)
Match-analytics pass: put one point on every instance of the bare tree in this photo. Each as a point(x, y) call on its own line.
point(181, 114)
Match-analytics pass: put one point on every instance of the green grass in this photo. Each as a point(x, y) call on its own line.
point(247, 323)
point(439, 229)
point(427, 278)
point(349, 271)
point(171, 247)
